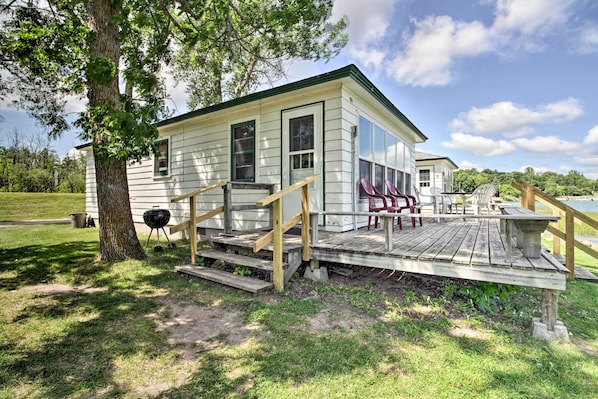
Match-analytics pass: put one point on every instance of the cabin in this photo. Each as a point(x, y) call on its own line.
point(337, 124)
point(245, 167)
point(434, 171)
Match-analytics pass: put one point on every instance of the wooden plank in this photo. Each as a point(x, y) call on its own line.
point(524, 277)
point(197, 192)
point(452, 246)
point(570, 243)
point(440, 245)
point(481, 248)
point(291, 242)
point(267, 238)
point(271, 198)
point(277, 275)
point(422, 248)
point(235, 259)
point(463, 254)
point(219, 276)
point(497, 246)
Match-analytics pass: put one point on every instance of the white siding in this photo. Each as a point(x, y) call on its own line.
point(200, 156)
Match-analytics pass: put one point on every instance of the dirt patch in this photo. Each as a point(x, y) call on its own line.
point(202, 328)
point(336, 317)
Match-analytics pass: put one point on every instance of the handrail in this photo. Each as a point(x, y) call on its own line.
point(531, 194)
point(193, 217)
point(279, 227)
point(227, 209)
point(197, 192)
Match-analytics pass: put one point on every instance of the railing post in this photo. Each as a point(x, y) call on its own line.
point(556, 240)
point(570, 242)
point(305, 221)
point(193, 227)
point(271, 217)
point(228, 212)
point(314, 228)
point(530, 198)
point(277, 274)
point(388, 221)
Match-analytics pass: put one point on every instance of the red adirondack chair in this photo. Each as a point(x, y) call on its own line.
point(380, 202)
point(410, 201)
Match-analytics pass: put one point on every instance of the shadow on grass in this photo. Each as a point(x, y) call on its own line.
point(86, 335)
point(34, 264)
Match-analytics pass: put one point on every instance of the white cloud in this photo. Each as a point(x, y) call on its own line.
point(592, 137)
point(368, 20)
point(470, 165)
point(480, 146)
point(368, 25)
point(429, 53)
point(513, 120)
point(530, 17)
point(588, 39)
point(546, 144)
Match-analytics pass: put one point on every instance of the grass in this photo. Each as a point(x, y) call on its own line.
point(29, 206)
point(377, 338)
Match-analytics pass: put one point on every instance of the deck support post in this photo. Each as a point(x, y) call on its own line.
point(228, 212)
point(388, 221)
point(277, 274)
point(547, 327)
point(193, 227)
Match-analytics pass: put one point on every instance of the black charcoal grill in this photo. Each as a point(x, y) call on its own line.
point(156, 219)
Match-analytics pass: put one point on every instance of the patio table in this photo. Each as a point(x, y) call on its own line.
point(462, 194)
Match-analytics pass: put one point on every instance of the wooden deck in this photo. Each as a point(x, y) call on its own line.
point(472, 249)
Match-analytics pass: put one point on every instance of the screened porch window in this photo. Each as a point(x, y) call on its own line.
point(382, 156)
point(243, 151)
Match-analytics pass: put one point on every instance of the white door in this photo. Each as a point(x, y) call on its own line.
point(302, 155)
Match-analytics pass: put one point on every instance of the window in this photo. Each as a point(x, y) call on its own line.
point(382, 156)
point(424, 178)
point(379, 178)
point(390, 175)
point(401, 182)
point(243, 151)
point(162, 158)
point(365, 170)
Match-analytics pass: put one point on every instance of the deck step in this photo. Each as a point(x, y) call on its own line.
point(239, 260)
point(225, 278)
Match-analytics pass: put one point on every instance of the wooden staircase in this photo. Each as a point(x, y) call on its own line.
point(237, 251)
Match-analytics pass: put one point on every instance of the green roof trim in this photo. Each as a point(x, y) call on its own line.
point(350, 71)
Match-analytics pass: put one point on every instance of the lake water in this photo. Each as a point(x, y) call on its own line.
point(582, 206)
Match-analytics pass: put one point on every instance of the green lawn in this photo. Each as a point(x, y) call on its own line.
point(136, 329)
point(28, 206)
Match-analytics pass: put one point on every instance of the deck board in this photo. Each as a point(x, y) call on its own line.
point(481, 247)
point(471, 249)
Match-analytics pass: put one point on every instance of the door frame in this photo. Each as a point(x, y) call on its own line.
point(316, 109)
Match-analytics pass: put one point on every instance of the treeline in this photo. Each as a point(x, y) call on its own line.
point(552, 183)
point(30, 165)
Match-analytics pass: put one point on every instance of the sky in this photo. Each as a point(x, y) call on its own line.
point(498, 84)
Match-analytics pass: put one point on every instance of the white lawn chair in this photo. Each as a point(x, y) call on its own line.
point(443, 201)
point(483, 197)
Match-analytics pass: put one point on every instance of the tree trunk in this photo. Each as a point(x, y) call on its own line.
point(118, 238)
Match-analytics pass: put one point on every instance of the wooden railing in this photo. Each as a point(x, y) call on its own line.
point(529, 196)
point(228, 208)
point(279, 227)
